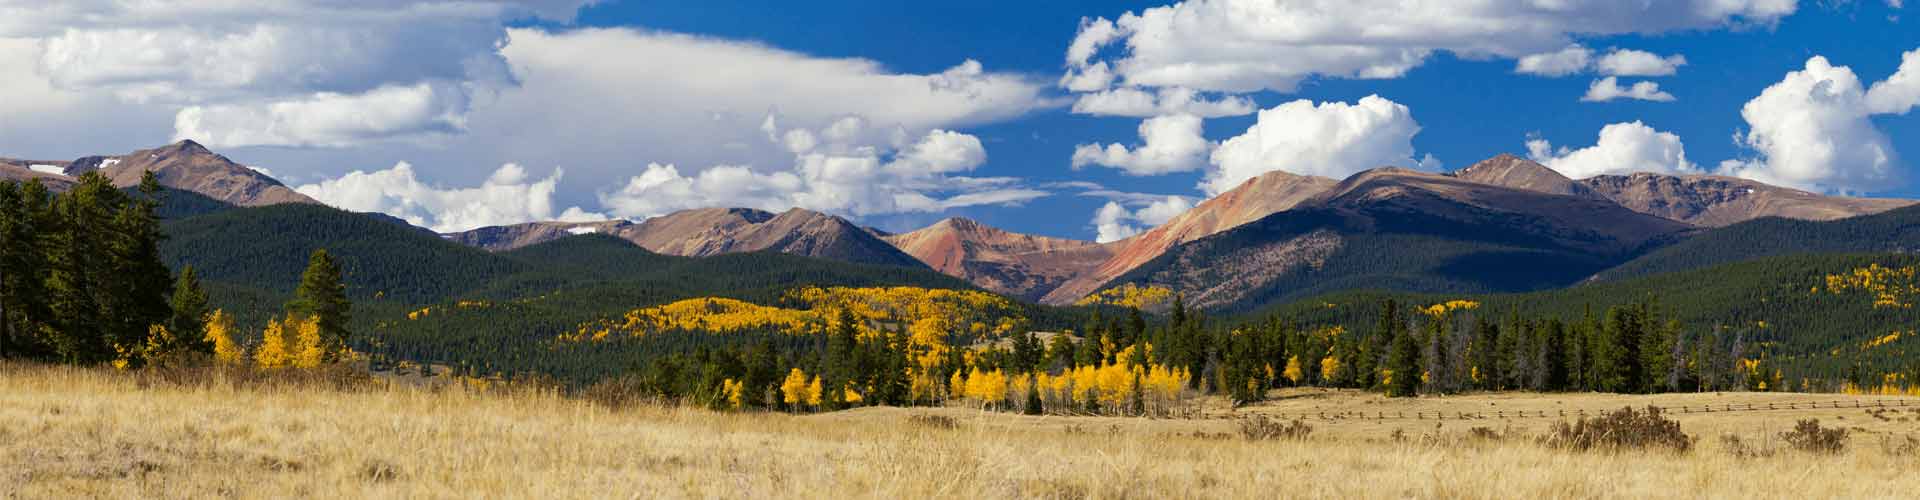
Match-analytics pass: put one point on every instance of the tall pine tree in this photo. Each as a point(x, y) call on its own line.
point(323, 295)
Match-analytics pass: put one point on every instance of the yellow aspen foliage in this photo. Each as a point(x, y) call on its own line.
point(931, 314)
point(1150, 298)
point(814, 392)
point(1293, 372)
point(794, 389)
point(162, 348)
point(987, 387)
point(851, 396)
point(220, 334)
point(734, 392)
point(957, 385)
point(309, 351)
point(1329, 366)
point(275, 348)
point(1891, 288)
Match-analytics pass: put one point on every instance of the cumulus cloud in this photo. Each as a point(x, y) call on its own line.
point(1245, 46)
point(328, 119)
point(1623, 148)
point(1568, 61)
point(1138, 103)
point(507, 197)
point(252, 60)
point(1115, 221)
point(1812, 130)
point(833, 172)
point(1173, 144)
point(1627, 62)
point(1333, 139)
point(1899, 93)
point(1607, 89)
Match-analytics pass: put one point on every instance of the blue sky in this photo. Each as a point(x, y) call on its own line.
point(554, 85)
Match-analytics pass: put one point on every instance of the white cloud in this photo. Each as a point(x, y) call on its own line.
point(1899, 93)
point(1332, 139)
point(1161, 211)
point(1607, 89)
point(447, 86)
point(1251, 45)
point(1114, 221)
point(507, 197)
point(1812, 131)
point(1138, 103)
point(1568, 61)
point(1627, 62)
point(1623, 148)
point(1110, 223)
point(1173, 144)
point(48, 169)
point(328, 119)
point(251, 60)
point(837, 174)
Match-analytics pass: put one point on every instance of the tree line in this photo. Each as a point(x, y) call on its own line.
point(82, 282)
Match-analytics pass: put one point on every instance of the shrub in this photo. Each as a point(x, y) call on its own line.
point(1261, 428)
point(1621, 430)
point(1906, 447)
point(1809, 437)
point(934, 421)
point(1741, 449)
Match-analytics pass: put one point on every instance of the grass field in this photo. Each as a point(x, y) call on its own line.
point(88, 433)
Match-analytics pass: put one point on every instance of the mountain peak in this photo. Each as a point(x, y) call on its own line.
point(187, 146)
point(1507, 170)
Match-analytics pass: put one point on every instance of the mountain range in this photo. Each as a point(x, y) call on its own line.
point(1504, 224)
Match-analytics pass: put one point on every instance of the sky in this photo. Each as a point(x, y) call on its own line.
point(1078, 119)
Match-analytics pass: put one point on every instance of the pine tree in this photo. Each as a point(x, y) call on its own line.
point(1033, 395)
point(323, 296)
point(1403, 366)
point(190, 314)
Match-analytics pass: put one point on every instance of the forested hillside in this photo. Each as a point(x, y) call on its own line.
point(1896, 231)
point(1795, 310)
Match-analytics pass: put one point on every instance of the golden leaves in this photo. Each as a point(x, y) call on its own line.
point(1131, 295)
point(1891, 288)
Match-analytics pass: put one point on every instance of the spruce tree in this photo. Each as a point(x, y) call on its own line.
point(1403, 365)
point(190, 312)
point(1033, 395)
point(323, 295)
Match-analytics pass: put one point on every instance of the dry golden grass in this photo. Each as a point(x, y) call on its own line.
point(86, 433)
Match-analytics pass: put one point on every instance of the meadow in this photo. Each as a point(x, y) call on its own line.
point(77, 432)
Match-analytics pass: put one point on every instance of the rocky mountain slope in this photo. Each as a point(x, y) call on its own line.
point(1399, 229)
point(715, 231)
point(1259, 197)
point(1520, 173)
point(1714, 201)
point(1013, 264)
point(517, 236)
point(184, 165)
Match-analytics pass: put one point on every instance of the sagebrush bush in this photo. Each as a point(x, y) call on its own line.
point(1261, 428)
point(1809, 436)
point(934, 421)
point(1625, 429)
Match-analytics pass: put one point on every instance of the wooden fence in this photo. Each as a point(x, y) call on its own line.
point(1579, 413)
